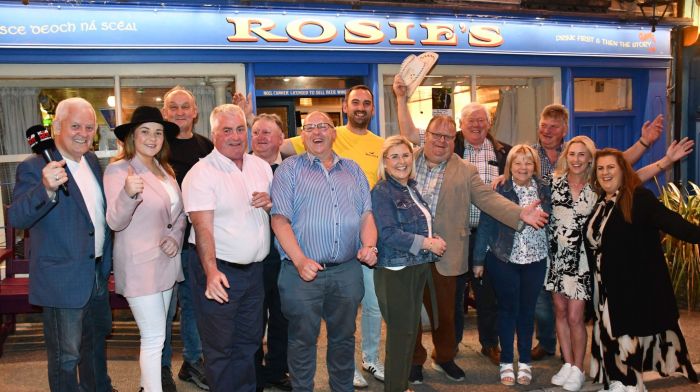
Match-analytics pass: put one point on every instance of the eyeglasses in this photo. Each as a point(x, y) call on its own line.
point(441, 137)
point(320, 126)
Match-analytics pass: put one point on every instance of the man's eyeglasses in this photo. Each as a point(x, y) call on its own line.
point(320, 126)
point(441, 137)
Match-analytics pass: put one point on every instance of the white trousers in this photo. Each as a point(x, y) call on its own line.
point(150, 312)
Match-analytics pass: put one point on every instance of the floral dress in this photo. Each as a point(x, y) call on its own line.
point(568, 272)
point(625, 358)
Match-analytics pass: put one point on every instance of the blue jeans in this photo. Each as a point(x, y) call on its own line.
point(517, 287)
point(334, 295)
point(544, 320)
point(75, 339)
point(371, 317)
point(232, 331)
point(192, 346)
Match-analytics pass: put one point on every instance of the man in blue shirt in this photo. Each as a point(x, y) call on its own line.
point(323, 222)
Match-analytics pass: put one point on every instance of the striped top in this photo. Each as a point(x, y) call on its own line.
point(324, 207)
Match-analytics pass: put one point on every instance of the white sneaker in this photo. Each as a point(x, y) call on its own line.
point(560, 378)
point(575, 380)
point(375, 368)
point(358, 381)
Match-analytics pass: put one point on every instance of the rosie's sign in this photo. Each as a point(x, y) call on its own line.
point(203, 28)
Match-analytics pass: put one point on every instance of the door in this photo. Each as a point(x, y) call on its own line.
point(606, 129)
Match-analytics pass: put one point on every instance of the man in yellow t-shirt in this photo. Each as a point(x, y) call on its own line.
point(355, 141)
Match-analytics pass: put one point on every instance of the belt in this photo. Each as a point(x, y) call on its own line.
point(324, 265)
point(224, 263)
point(98, 259)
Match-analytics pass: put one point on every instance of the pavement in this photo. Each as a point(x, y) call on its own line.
point(23, 366)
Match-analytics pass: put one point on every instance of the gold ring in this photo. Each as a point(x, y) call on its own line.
point(55, 177)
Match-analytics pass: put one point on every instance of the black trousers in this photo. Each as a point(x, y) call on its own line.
point(274, 367)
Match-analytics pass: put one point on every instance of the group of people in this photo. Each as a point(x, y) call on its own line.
point(250, 241)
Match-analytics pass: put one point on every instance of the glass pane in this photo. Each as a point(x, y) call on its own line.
point(436, 95)
point(602, 94)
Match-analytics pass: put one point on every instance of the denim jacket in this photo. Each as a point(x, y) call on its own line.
point(401, 224)
point(497, 237)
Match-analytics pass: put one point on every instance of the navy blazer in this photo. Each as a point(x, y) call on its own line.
point(62, 261)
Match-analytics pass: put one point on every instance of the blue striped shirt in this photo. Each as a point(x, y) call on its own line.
point(325, 207)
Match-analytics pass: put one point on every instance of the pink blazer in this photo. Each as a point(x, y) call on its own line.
point(140, 266)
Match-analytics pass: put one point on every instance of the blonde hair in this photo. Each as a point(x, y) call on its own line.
point(525, 150)
point(390, 143)
point(562, 166)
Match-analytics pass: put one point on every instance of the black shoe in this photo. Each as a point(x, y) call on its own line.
point(538, 353)
point(166, 380)
point(194, 373)
point(283, 384)
point(450, 370)
point(416, 375)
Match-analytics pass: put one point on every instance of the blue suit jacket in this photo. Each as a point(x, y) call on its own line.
point(62, 265)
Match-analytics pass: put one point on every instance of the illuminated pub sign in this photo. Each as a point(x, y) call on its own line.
point(231, 28)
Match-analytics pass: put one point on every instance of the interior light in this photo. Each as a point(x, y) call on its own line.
point(111, 101)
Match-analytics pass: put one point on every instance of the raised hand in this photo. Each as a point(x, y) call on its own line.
point(53, 175)
point(679, 149)
point(651, 130)
point(133, 185)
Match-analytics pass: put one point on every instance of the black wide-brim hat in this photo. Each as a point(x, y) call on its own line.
point(144, 114)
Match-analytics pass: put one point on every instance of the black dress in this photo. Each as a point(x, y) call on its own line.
point(619, 354)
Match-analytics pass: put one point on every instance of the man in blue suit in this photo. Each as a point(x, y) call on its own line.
point(71, 250)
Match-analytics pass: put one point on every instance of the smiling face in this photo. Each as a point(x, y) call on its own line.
point(522, 168)
point(439, 140)
point(148, 140)
point(578, 159)
point(230, 135)
point(180, 108)
point(266, 138)
point(398, 162)
point(475, 127)
point(359, 108)
point(75, 129)
point(551, 132)
point(608, 174)
point(318, 142)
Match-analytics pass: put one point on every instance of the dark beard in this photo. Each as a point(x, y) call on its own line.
point(362, 125)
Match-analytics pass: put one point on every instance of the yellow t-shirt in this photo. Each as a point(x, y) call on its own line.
point(363, 149)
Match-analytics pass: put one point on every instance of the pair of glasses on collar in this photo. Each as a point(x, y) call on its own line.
point(320, 126)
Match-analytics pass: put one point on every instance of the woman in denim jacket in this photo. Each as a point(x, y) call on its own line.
point(516, 261)
point(406, 246)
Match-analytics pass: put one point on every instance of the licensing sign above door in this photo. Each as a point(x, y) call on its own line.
point(203, 28)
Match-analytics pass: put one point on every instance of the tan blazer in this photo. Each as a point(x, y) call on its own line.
point(140, 266)
point(461, 186)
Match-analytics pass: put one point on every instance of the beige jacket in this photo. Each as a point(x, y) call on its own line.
point(461, 186)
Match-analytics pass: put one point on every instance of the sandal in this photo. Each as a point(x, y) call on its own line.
point(507, 374)
point(524, 374)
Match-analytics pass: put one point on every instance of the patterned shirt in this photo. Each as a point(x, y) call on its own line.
point(484, 158)
point(429, 181)
point(529, 245)
point(547, 166)
point(324, 206)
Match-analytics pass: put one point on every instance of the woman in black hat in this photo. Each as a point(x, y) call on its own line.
point(144, 208)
